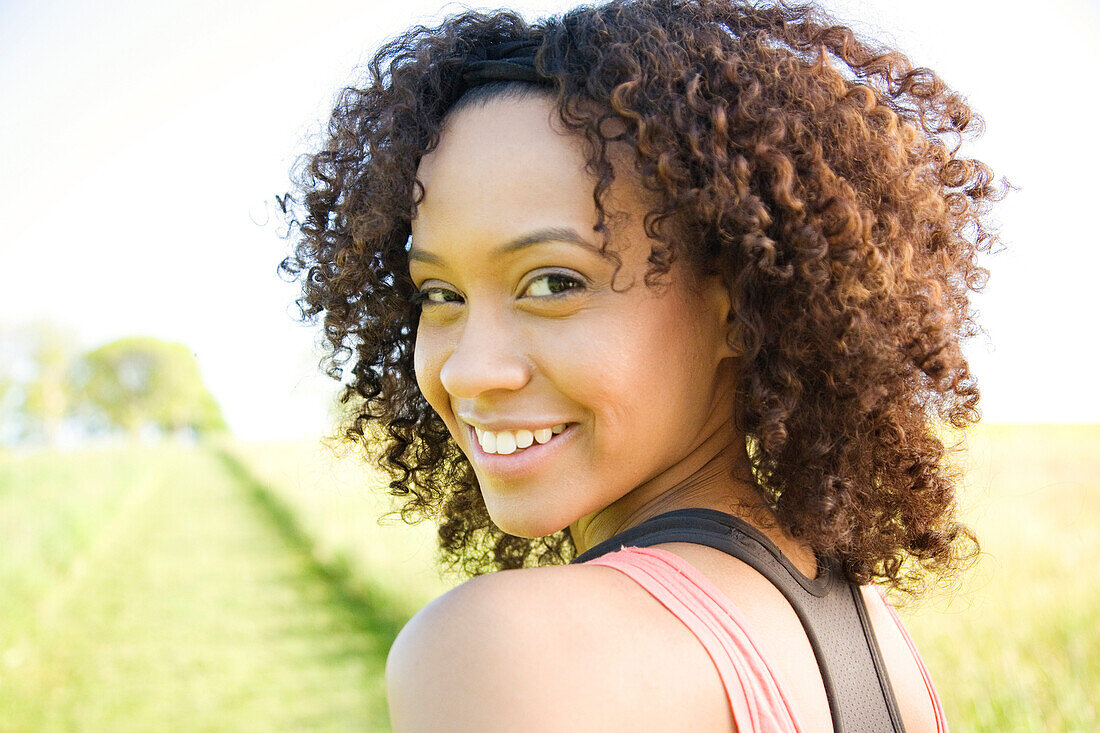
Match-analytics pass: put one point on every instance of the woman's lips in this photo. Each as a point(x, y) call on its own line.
point(520, 462)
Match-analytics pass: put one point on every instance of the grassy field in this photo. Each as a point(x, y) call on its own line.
point(254, 588)
point(1017, 646)
point(162, 589)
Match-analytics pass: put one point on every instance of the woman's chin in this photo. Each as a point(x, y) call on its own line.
point(525, 522)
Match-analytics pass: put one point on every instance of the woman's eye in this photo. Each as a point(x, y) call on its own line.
point(549, 285)
point(436, 296)
point(552, 283)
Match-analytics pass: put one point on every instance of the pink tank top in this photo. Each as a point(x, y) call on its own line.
point(754, 689)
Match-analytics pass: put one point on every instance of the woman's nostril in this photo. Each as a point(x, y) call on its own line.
point(467, 373)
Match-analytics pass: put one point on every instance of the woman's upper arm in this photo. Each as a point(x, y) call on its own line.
point(477, 658)
point(432, 667)
point(515, 650)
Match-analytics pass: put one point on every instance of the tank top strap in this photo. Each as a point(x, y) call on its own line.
point(937, 706)
point(754, 691)
point(831, 610)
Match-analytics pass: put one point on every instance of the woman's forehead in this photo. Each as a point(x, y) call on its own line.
point(502, 138)
point(509, 158)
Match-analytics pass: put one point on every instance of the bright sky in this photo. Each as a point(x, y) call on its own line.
point(142, 144)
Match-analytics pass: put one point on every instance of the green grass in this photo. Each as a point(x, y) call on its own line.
point(1017, 646)
point(174, 588)
point(339, 505)
point(56, 513)
point(191, 608)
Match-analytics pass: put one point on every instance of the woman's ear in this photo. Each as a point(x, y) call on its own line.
point(734, 344)
point(728, 326)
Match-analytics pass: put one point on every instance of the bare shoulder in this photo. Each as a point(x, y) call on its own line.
point(578, 647)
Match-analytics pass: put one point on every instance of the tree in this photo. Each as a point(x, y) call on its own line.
point(141, 381)
point(7, 384)
point(35, 391)
point(47, 396)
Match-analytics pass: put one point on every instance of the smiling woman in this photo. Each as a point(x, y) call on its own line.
point(655, 305)
point(546, 332)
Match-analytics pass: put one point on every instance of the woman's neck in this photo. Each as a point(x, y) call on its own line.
point(715, 475)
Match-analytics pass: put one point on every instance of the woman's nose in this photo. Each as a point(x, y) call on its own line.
point(486, 357)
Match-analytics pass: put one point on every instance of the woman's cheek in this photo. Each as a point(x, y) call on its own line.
point(426, 364)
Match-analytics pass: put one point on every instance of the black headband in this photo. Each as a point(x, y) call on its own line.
point(506, 61)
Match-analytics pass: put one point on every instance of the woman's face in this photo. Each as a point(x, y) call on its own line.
point(522, 333)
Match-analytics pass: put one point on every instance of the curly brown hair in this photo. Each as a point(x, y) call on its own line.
point(817, 172)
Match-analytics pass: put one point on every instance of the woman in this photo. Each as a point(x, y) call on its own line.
point(656, 305)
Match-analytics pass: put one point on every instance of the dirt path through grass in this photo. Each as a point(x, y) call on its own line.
point(202, 612)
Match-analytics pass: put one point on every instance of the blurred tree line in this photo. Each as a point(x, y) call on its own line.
point(137, 386)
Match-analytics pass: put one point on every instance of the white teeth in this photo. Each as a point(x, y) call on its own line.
point(506, 442)
point(524, 438)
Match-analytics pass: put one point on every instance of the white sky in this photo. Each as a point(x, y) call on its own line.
point(142, 144)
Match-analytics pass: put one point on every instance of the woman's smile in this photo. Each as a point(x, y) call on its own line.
point(515, 454)
point(505, 442)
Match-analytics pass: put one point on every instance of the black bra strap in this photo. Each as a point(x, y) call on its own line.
point(711, 528)
point(827, 604)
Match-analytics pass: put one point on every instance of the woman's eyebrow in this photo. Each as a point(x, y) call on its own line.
point(548, 234)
